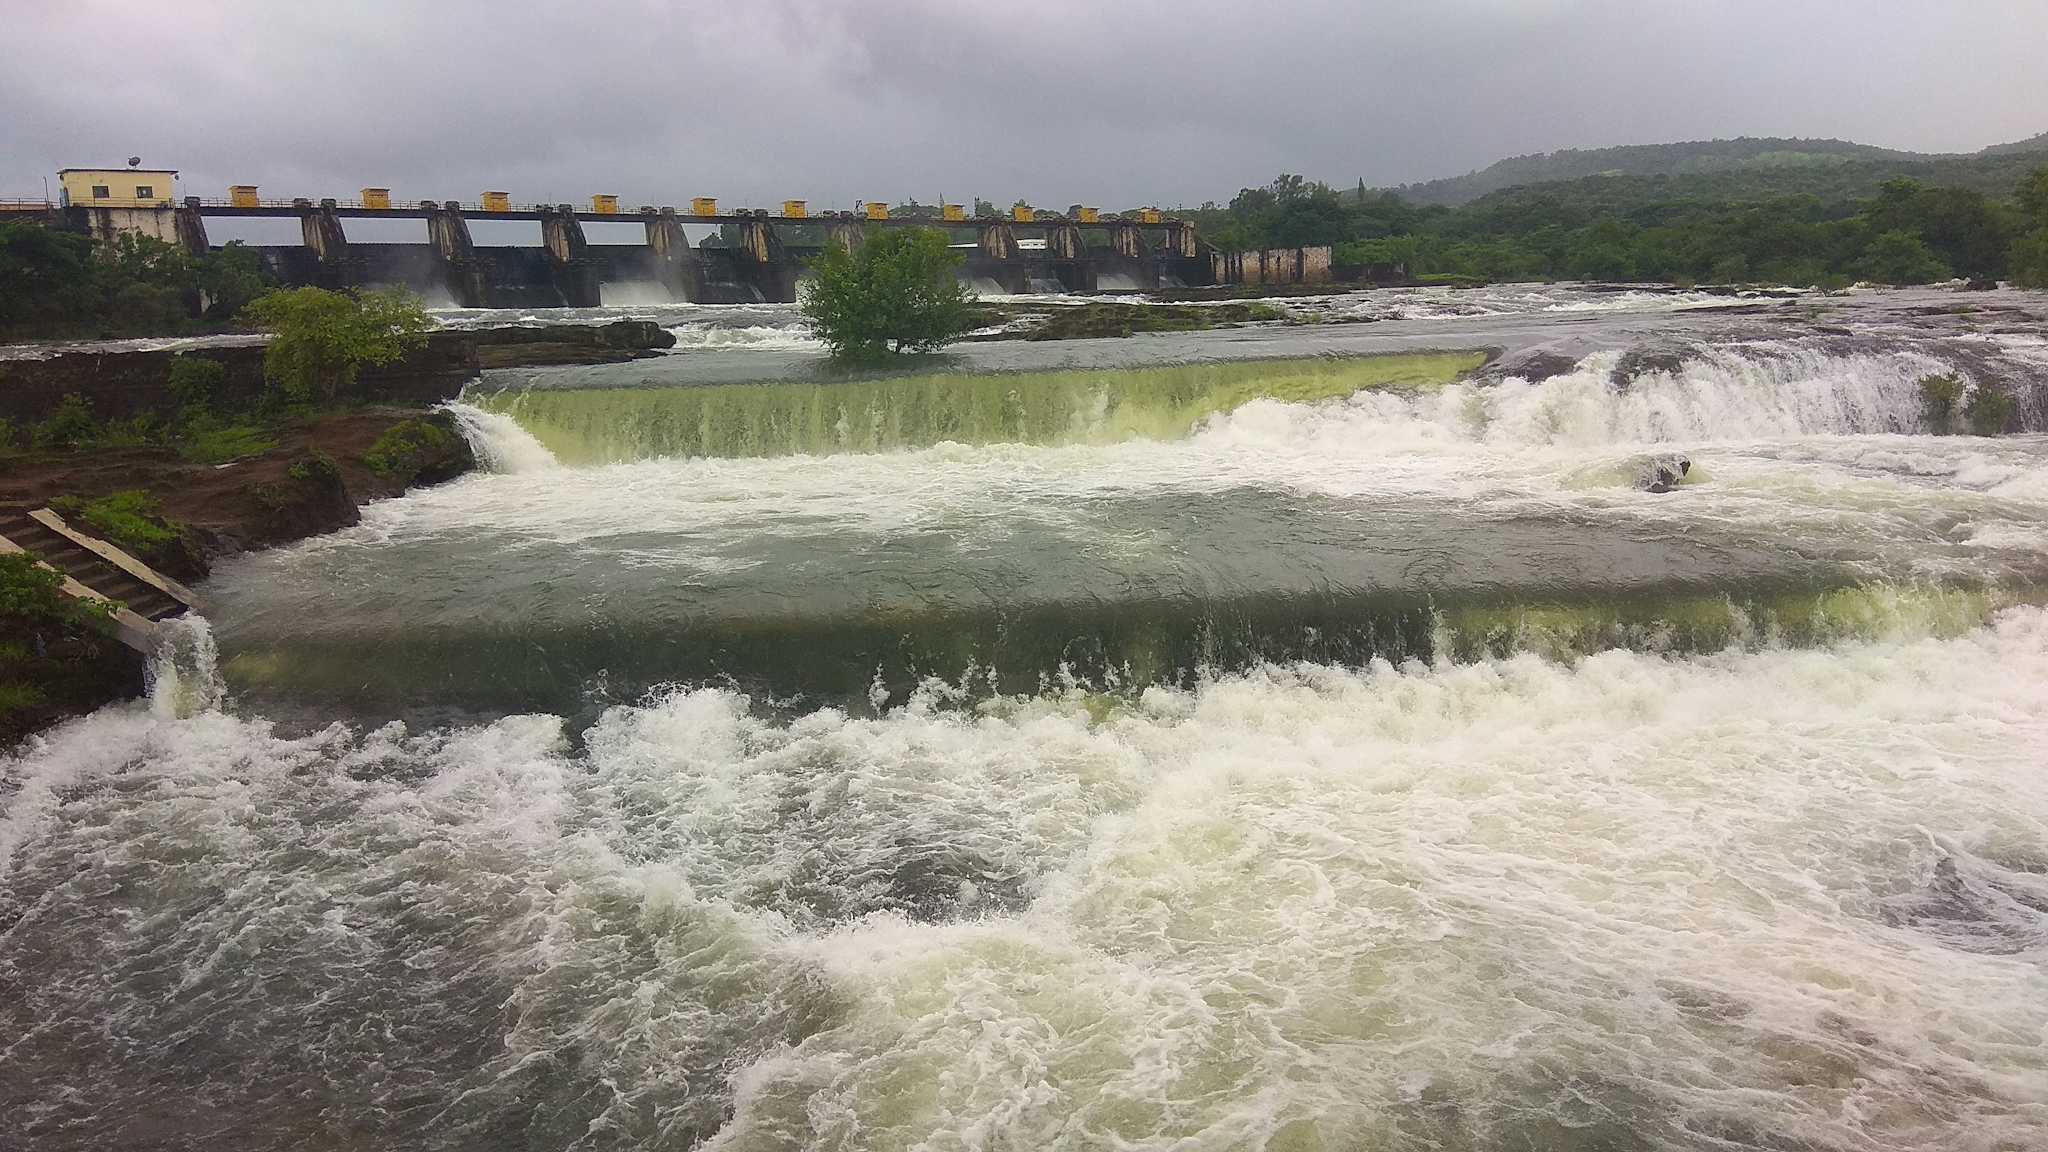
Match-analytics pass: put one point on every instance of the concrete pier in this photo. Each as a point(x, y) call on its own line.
point(576, 274)
point(321, 228)
point(847, 234)
point(190, 223)
point(1066, 252)
point(1000, 258)
point(675, 266)
point(760, 261)
point(454, 253)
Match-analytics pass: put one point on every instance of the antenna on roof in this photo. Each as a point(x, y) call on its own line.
point(134, 161)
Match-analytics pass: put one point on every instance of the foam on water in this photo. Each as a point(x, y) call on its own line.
point(1750, 392)
point(1744, 392)
point(184, 672)
point(791, 337)
point(1765, 900)
point(500, 444)
point(1742, 870)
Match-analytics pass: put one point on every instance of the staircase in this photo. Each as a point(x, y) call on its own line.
point(96, 569)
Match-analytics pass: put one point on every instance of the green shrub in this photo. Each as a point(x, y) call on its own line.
point(323, 339)
point(406, 448)
point(70, 426)
point(2028, 260)
point(27, 588)
point(138, 431)
point(1989, 410)
point(16, 696)
point(1900, 257)
point(317, 467)
point(1941, 398)
point(1730, 270)
point(31, 592)
point(194, 381)
point(896, 293)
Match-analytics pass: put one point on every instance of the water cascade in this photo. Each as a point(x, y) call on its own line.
point(588, 425)
point(1334, 751)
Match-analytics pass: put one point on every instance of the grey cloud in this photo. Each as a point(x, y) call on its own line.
point(1054, 101)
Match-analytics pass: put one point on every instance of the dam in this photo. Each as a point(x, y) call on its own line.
point(755, 256)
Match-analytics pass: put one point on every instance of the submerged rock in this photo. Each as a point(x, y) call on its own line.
point(1534, 367)
point(1640, 361)
point(1661, 473)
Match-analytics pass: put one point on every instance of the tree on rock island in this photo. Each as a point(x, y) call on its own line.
point(895, 293)
point(322, 339)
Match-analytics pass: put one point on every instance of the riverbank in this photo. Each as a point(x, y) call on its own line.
point(178, 516)
point(102, 435)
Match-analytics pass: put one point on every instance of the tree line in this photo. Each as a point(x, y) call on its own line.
point(56, 283)
point(1602, 229)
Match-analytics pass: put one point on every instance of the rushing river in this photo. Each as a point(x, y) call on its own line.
point(1293, 737)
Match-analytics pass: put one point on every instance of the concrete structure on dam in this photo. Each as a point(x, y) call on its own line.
point(755, 255)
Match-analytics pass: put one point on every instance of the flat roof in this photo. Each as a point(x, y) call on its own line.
point(122, 168)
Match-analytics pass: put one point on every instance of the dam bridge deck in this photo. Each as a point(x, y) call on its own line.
point(756, 256)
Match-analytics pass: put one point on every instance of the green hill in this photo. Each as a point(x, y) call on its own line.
point(1749, 168)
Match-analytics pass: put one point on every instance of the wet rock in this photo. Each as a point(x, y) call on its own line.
point(429, 449)
point(59, 670)
point(558, 344)
point(1535, 367)
point(1661, 473)
point(1638, 361)
point(311, 499)
point(121, 383)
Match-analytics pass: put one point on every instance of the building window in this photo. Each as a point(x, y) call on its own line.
point(101, 192)
point(145, 192)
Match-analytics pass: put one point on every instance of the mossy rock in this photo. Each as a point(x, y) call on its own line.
point(423, 450)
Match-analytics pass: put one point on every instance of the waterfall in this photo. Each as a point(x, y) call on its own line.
point(183, 674)
point(596, 425)
point(500, 444)
point(1749, 391)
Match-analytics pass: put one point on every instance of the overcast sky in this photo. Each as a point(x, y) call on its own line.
point(1115, 102)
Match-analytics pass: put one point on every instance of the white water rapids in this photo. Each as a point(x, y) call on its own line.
point(1791, 896)
point(1786, 893)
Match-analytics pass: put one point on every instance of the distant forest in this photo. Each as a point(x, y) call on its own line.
point(1733, 211)
point(1749, 168)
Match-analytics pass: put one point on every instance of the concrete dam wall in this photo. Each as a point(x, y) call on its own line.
point(754, 258)
point(1274, 266)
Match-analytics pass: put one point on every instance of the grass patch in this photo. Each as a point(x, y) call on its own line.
point(16, 696)
point(205, 443)
point(131, 518)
